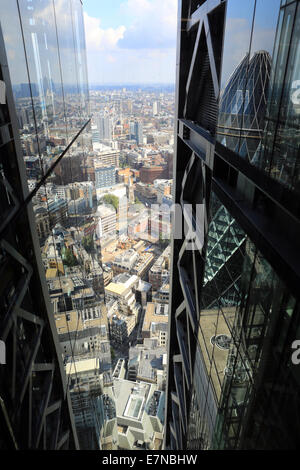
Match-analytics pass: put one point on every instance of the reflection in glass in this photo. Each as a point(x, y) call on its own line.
point(280, 153)
point(243, 105)
point(243, 100)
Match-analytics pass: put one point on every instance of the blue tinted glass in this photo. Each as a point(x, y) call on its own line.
point(237, 38)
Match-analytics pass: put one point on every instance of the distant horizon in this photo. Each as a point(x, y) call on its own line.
point(133, 84)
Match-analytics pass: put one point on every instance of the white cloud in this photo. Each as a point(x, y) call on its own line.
point(154, 24)
point(143, 51)
point(98, 39)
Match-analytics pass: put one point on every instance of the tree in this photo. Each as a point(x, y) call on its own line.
point(113, 355)
point(88, 243)
point(69, 258)
point(112, 199)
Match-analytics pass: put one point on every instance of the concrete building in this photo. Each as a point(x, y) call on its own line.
point(85, 392)
point(120, 369)
point(125, 175)
point(140, 415)
point(155, 324)
point(148, 363)
point(50, 214)
point(105, 156)
point(120, 328)
point(143, 293)
point(163, 293)
point(147, 191)
point(108, 274)
point(105, 128)
point(136, 132)
point(156, 108)
point(125, 261)
point(42, 220)
point(143, 265)
point(150, 173)
point(105, 176)
point(163, 188)
point(122, 289)
point(159, 272)
point(106, 222)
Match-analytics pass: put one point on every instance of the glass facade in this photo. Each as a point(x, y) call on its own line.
point(48, 74)
point(35, 411)
point(243, 105)
point(249, 36)
point(45, 45)
point(279, 155)
point(232, 383)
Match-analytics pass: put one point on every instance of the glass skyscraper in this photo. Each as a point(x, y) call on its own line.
point(53, 325)
point(232, 379)
point(243, 105)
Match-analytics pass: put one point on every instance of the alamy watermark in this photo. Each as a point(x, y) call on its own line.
point(295, 358)
point(160, 222)
point(2, 352)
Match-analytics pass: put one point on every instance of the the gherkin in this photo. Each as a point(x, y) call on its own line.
point(243, 106)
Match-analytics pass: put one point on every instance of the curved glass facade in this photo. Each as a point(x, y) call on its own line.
point(243, 105)
point(233, 380)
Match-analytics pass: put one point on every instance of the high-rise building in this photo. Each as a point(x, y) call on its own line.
point(233, 378)
point(105, 128)
point(42, 55)
point(136, 132)
point(156, 108)
point(35, 410)
point(105, 176)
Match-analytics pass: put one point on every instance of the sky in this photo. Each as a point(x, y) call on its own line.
point(130, 41)
point(134, 41)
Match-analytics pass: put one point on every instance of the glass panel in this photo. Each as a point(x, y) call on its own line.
point(279, 153)
point(224, 261)
point(38, 26)
point(80, 58)
point(25, 93)
point(257, 86)
point(63, 15)
point(239, 19)
point(285, 162)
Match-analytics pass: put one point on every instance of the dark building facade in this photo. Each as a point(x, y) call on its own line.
point(35, 411)
point(233, 381)
point(42, 78)
point(243, 105)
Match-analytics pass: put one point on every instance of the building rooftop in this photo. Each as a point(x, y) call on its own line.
point(86, 365)
point(105, 211)
point(131, 398)
point(115, 288)
point(154, 314)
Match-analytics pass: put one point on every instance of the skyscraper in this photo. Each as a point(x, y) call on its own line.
point(233, 382)
point(35, 411)
point(44, 78)
point(105, 128)
point(136, 132)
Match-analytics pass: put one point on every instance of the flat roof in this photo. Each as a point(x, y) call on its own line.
point(151, 316)
point(131, 398)
point(82, 366)
point(51, 273)
point(115, 288)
